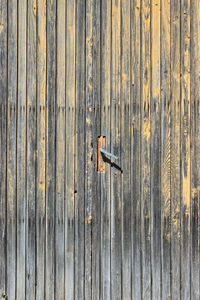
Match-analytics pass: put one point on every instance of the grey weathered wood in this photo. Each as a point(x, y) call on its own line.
point(175, 150)
point(21, 152)
point(105, 131)
point(116, 201)
point(79, 260)
point(165, 187)
point(185, 189)
point(60, 163)
point(135, 150)
point(145, 151)
point(41, 148)
point(50, 150)
point(70, 146)
point(31, 290)
point(195, 148)
point(3, 141)
point(11, 149)
point(125, 149)
point(89, 113)
point(155, 152)
point(96, 176)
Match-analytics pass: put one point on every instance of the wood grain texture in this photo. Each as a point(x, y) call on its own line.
point(175, 151)
point(70, 72)
point(145, 150)
point(165, 188)
point(70, 146)
point(31, 277)
point(21, 152)
point(115, 146)
point(3, 141)
point(105, 131)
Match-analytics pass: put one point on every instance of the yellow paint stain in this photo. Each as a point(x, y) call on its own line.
point(1, 26)
point(124, 77)
point(89, 220)
point(146, 128)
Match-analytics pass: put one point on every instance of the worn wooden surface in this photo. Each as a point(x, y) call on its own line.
point(70, 72)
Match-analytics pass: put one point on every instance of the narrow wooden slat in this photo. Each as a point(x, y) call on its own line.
point(88, 150)
point(155, 151)
point(185, 150)
point(145, 151)
point(41, 148)
point(11, 149)
point(21, 151)
point(31, 152)
point(70, 146)
point(105, 131)
point(135, 149)
point(3, 141)
point(165, 148)
point(60, 157)
point(175, 149)
point(116, 205)
point(79, 290)
point(125, 149)
point(50, 150)
point(195, 149)
point(96, 176)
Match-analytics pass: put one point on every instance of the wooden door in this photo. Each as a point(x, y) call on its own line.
point(72, 71)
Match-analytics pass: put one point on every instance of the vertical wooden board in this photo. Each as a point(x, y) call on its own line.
point(125, 149)
point(135, 149)
point(155, 151)
point(11, 149)
point(3, 141)
point(31, 152)
point(165, 149)
point(21, 152)
point(96, 176)
point(145, 151)
point(116, 205)
point(175, 149)
point(79, 287)
point(50, 149)
point(105, 131)
point(60, 157)
point(185, 150)
point(88, 150)
point(195, 148)
point(41, 147)
point(70, 146)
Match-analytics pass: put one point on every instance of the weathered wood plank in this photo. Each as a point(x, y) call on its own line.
point(125, 149)
point(185, 150)
point(3, 142)
point(165, 149)
point(60, 159)
point(89, 149)
point(31, 153)
point(41, 147)
point(116, 204)
point(145, 151)
point(195, 149)
point(96, 176)
point(155, 152)
point(21, 152)
point(70, 146)
point(105, 131)
point(175, 149)
point(79, 290)
point(50, 150)
point(11, 149)
point(135, 149)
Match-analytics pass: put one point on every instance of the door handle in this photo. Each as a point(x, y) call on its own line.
point(108, 153)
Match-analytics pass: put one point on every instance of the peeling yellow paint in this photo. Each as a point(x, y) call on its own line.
point(146, 128)
point(1, 26)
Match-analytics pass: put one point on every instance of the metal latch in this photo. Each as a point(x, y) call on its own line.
point(102, 152)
